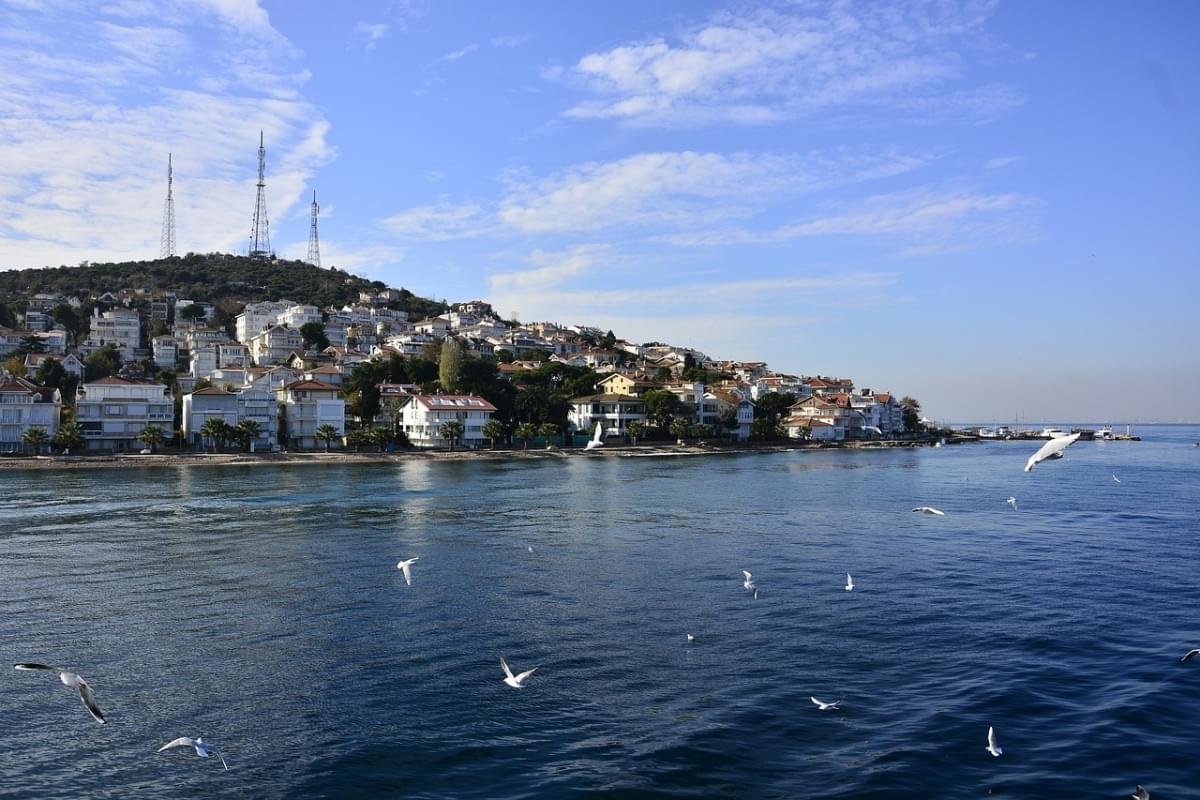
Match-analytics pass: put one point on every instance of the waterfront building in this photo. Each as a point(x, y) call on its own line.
point(614, 411)
point(203, 405)
point(25, 405)
point(306, 406)
point(422, 416)
point(113, 411)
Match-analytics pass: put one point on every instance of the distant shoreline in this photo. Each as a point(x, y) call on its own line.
point(137, 461)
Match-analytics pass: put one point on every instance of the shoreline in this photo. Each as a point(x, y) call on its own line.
point(160, 460)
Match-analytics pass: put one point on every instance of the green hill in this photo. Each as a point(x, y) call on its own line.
point(228, 281)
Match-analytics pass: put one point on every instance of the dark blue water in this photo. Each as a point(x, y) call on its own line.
point(260, 607)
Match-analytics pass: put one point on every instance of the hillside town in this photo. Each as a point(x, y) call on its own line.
point(138, 370)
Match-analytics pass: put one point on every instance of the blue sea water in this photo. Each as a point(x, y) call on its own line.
point(261, 608)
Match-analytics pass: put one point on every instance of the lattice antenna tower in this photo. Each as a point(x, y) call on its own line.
point(166, 247)
point(314, 241)
point(260, 232)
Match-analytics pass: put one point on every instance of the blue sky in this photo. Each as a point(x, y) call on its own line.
point(990, 206)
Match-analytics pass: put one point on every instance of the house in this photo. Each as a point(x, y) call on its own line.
point(742, 408)
point(166, 351)
point(120, 328)
point(422, 417)
point(274, 345)
point(298, 315)
point(329, 374)
point(203, 405)
point(306, 406)
point(113, 411)
point(260, 405)
point(620, 383)
point(11, 339)
point(256, 317)
point(71, 364)
point(25, 405)
point(816, 429)
point(614, 411)
point(437, 327)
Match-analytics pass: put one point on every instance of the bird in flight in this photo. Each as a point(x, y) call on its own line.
point(749, 585)
point(1051, 449)
point(203, 748)
point(849, 583)
point(691, 638)
point(74, 680)
point(1190, 654)
point(1012, 501)
point(826, 706)
point(929, 510)
point(992, 746)
point(1115, 478)
point(515, 681)
point(406, 568)
point(1140, 793)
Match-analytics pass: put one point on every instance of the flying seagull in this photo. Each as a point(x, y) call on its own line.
point(691, 638)
point(992, 746)
point(929, 510)
point(1012, 501)
point(1140, 793)
point(203, 748)
point(406, 567)
point(515, 681)
point(748, 584)
point(74, 680)
point(849, 583)
point(826, 706)
point(1115, 478)
point(597, 440)
point(1190, 654)
point(1051, 449)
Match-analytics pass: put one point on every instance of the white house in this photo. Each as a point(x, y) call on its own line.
point(422, 417)
point(255, 317)
point(120, 328)
point(113, 411)
point(166, 351)
point(70, 363)
point(306, 406)
point(274, 345)
point(203, 405)
point(25, 405)
point(298, 315)
point(614, 411)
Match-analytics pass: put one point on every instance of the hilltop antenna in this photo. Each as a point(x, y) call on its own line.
point(166, 247)
point(314, 242)
point(260, 232)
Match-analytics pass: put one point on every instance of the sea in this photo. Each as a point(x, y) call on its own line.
point(261, 608)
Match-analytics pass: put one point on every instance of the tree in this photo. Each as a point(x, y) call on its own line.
point(65, 315)
point(912, 413)
point(68, 435)
point(450, 364)
point(70, 382)
point(451, 430)
point(326, 433)
point(192, 312)
point(773, 404)
point(216, 429)
point(35, 437)
point(679, 428)
point(765, 429)
point(547, 430)
point(661, 406)
point(14, 364)
point(493, 429)
point(608, 341)
point(314, 336)
point(698, 431)
point(153, 436)
point(357, 438)
point(380, 437)
point(525, 432)
point(636, 430)
point(101, 363)
point(247, 431)
point(50, 373)
point(29, 344)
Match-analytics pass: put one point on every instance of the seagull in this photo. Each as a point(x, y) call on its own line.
point(1051, 449)
point(597, 440)
point(203, 748)
point(748, 584)
point(930, 510)
point(406, 568)
point(1190, 654)
point(515, 681)
point(691, 638)
point(531, 548)
point(826, 706)
point(74, 680)
point(992, 747)
point(1012, 501)
point(1115, 478)
point(849, 583)
point(1140, 793)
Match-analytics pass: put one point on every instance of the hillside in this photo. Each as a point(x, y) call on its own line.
point(219, 278)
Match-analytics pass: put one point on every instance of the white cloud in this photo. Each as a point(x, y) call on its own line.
point(438, 222)
point(455, 55)
point(759, 66)
point(551, 269)
point(371, 32)
point(513, 40)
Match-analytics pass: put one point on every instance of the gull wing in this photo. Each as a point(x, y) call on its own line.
point(32, 666)
point(405, 568)
point(599, 433)
point(525, 674)
point(182, 741)
point(1141, 793)
point(747, 574)
point(817, 702)
point(504, 666)
point(89, 700)
point(1049, 449)
point(1190, 654)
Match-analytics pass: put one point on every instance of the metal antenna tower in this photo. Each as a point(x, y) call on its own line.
point(260, 233)
point(314, 242)
point(167, 242)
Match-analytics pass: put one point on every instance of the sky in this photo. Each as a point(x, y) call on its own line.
point(992, 207)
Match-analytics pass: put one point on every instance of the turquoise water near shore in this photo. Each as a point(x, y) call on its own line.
point(261, 608)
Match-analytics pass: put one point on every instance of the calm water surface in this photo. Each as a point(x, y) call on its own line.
point(261, 608)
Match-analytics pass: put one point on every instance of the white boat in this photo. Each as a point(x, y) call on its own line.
point(1105, 434)
point(1052, 433)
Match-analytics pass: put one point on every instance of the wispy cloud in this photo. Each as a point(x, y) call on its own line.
point(767, 65)
point(439, 222)
point(370, 33)
point(455, 55)
point(513, 40)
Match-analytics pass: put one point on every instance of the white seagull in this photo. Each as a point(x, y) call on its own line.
point(203, 748)
point(515, 681)
point(597, 440)
point(849, 583)
point(691, 638)
point(992, 746)
point(1115, 478)
point(1190, 654)
point(74, 680)
point(826, 706)
point(1051, 449)
point(929, 510)
point(748, 584)
point(1140, 793)
point(1012, 501)
point(406, 567)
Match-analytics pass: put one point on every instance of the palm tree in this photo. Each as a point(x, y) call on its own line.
point(248, 431)
point(493, 429)
point(451, 430)
point(635, 430)
point(546, 430)
point(36, 437)
point(357, 438)
point(153, 436)
point(216, 429)
point(380, 437)
point(326, 433)
point(678, 428)
point(69, 435)
point(525, 432)
point(698, 431)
